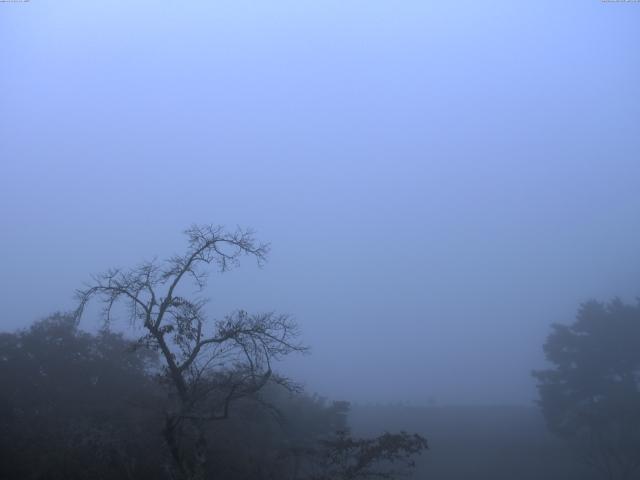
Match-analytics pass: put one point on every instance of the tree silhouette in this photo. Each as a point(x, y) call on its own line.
point(69, 405)
point(591, 395)
point(209, 365)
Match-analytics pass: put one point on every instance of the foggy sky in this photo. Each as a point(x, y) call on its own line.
point(439, 181)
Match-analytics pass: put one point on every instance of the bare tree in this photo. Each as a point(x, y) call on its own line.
point(208, 364)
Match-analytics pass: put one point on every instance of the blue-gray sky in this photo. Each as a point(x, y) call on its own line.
point(439, 180)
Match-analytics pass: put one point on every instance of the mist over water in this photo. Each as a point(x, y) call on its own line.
point(439, 181)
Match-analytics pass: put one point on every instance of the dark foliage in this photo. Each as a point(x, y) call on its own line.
point(386, 456)
point(591, 395)
point(75, 405)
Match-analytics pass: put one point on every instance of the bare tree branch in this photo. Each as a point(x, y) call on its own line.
point(211, 371)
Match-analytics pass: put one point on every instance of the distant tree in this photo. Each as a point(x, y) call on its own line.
point(591, 394)
point(209, 365)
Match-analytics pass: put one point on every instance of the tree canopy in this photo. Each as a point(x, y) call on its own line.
point(76, 405)
point(591, 394)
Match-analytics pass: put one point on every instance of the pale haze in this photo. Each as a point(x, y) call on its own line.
point(439, 181)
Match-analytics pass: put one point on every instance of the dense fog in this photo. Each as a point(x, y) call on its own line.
point(439, 182)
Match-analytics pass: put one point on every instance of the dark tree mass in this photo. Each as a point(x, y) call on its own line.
point(591, 396)
point(74, 405)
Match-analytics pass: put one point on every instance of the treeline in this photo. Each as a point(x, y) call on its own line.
point(76, 405)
